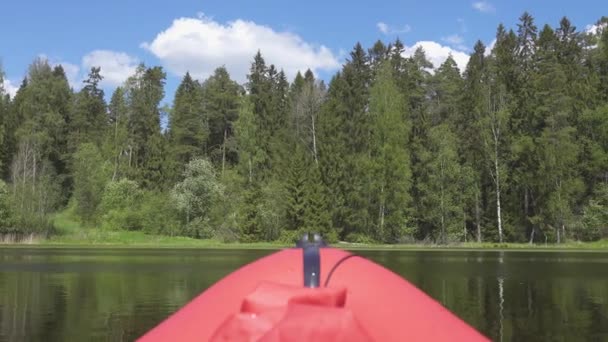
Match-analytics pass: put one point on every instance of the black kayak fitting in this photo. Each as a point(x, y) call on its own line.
point(312, 259)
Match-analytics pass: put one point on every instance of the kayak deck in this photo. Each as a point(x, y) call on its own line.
point(387, 307)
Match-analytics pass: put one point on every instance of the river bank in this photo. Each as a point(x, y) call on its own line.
point(70, 233)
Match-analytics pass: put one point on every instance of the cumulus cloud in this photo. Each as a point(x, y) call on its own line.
point(199, 45)
point(596, 29)
point(453, 39)
point(9, 87)
point(72, 72)
point(386, 29)
point(115, 66)
point(490, 47)
point(437, 53)
point(382, 27)
point(484, 7)
point(456, 41)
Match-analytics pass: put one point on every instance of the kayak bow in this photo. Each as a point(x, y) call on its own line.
point(286, 297)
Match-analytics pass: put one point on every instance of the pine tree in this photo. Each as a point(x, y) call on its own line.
point(333, 151)
point(4, 102)
point(117, 137)
point(558, 151)
point(38, 168)
point(378, 54)
point(447, 87)
point(12, 121)
point(317, 217)
point(251, 159)
point(145, 91)
point(260, 93)
point(600, 59)
point(474, 103)
point(188, 127)
point(88, 120)
point(440, 190)
point(307, 98)
point(390, 158)
point(221, 99)
point(295, 183)
point(357, 131)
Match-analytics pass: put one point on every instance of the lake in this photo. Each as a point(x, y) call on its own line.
point(70, 294)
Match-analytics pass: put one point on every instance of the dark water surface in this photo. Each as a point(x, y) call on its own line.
point(72, 294)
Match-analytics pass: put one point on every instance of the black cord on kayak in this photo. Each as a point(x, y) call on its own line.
point(331, 272)
point(312, 260)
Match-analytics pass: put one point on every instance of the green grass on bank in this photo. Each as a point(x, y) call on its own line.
point(71, 233)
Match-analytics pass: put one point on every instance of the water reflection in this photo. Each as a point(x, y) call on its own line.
point(116, 295)
point(501, 304)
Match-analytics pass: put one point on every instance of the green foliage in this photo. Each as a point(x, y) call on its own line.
point(6, 215)
point(295, 186)
point(262, 213)
point(317, 215)
point(194, 196)
point(221, 99)
point(271, 211)
point(389, 157)
point(91, 172)
point(117, 140)
point(515, 148)
point(595, 215)
point(188, 127)
point(4, 102)
point(157, 214)
point(125, 206)
point(87, 119)
point(440, 190)
point(120, 204)
point(145, 90)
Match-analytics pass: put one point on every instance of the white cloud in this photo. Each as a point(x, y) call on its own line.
point(72, 73)
point(199, 45)
point(437, 53)
point(382, 27)
point(484, 7)
point(10, 88)
point(386, 29)
point(596, 29)
point(456, 41)
point(453, 39)
point(490, 47)
point(116, 67)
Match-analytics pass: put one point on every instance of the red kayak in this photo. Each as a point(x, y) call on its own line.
point(313, 293)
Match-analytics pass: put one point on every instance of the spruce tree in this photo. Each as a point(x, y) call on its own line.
point(221, 100)
point(440, 193)
point(188, 127)
point(145, 91)
point(88, 120)
point(390, 158)
point(117, 136)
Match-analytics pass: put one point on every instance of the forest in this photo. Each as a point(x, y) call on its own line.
point(391, 150)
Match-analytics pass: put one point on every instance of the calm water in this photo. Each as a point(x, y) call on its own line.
point(114, 295)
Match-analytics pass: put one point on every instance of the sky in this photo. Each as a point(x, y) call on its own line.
point(199, 36)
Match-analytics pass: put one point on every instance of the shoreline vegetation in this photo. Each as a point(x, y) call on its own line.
point(391, 152)
point(70, 233)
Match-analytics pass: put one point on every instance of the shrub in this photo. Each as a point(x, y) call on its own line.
point(120, 205)
point(6, 215)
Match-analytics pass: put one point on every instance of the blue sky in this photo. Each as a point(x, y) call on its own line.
point(201, 35)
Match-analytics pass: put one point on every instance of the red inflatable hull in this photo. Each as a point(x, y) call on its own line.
point(387, 307)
